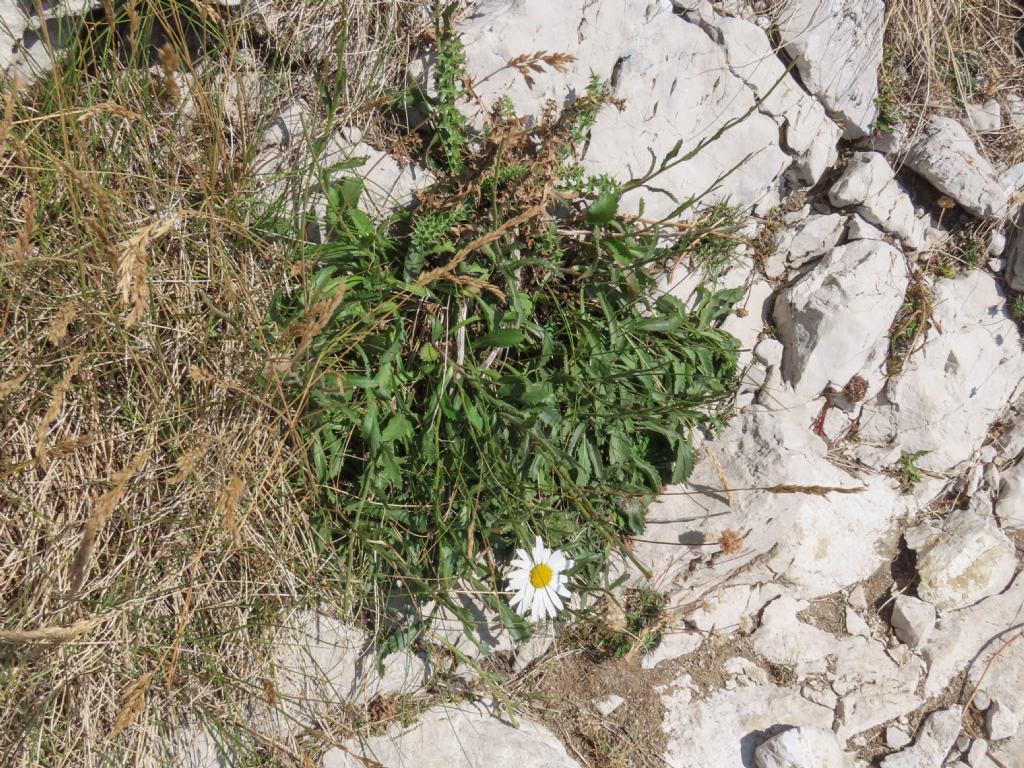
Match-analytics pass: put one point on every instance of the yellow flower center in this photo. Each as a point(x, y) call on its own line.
point(541, 575)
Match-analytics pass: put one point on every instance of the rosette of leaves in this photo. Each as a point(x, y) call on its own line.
point(495, 365)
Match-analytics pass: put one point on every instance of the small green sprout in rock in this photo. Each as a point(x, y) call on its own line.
point(907, 471)
point(1017, 307)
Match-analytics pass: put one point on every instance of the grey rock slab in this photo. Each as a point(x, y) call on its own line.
point(677, 85)
point(977, 754)
point(467, 735)
point(968, 560)
point(896, 738)
point(725, 729)
point(985, 117)
point(861, 229)
point(832, 319)
point(873, 688)
point(996, 244)
point(912, 620)
point(322, 662)
point(1010, 503)
point(802, 747)
point(933, 742)
point(1015, 110)
point(869, 182)
point(1015, 255)
point(945, 155)
point(865, 175)
point(809, 133)
point(814, 236)
point(817, 544)
point(837, 47)
point(951, 389)
point(1001, 722)
point(968, 637)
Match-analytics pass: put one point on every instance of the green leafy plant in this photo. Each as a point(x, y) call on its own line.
point(449, 82)
point(480, 371)
point(1017, 308)
point(907, 471)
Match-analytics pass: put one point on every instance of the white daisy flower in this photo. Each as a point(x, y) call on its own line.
point(538, 580)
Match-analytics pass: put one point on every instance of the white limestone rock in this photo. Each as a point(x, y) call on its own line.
point(785, 640)
point(865, 176)
point(467, 735)
point(1010, 504)
point(802, 747)
point(869, 182)
point(832, 319)
point(321, 662)
point(873, 687)
point(608, 704)
point(22, 44)
point(815, 544)
point(813, 237)
point(996, 244)
point(1001, 722)
point(860, 229)
point(896, 738)
point(1012, 179)
point(933, 743)
point(724, 730)
point(677, 85)
point(945, 155)
point(809, 133)
point(837, 47)
point(676, 641)
point(976, 756)
point(985, 117)
point(1015, 110)
point(681, 76)
point(968, 560)
point(970, 636)
point(913, 620)
point(958, 383)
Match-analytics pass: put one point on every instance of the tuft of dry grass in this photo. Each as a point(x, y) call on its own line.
point(941, 55)
point(153, 519)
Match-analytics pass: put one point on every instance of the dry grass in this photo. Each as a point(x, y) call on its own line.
point(941, 55)
point(150, 523)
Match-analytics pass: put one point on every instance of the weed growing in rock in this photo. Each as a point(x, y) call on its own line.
point(1017, 308)
point(907, 471)
point(481, 371)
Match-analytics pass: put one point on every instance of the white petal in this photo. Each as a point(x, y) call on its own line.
point(563, 591)
point(553, 599)
point(539, 551)
point(537, 610)
point(557, 561)
point(518, 583)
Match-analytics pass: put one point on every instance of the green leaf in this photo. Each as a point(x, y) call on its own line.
point(398, 427)
point(503, 337)
point(603, 209)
